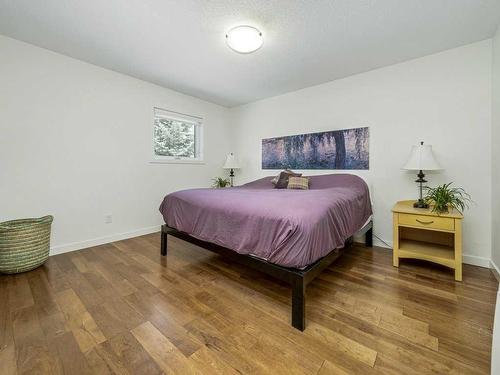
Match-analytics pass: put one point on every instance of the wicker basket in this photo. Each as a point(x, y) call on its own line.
point(24, 244)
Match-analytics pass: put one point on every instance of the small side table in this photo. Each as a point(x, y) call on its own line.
point(419, 233)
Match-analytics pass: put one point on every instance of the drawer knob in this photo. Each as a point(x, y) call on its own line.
point(425, 222)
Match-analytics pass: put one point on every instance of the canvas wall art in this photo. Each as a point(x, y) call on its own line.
point(336, 149)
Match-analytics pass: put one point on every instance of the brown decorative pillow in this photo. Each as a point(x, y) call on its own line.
point(298, 183)
point(274, 181)
point(282, 182)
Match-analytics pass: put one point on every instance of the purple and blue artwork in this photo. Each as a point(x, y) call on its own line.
point(336, 149)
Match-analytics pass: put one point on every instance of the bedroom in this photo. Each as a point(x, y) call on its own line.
point(82, 86)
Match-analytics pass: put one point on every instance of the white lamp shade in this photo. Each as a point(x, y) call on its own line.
point(422, 158)
point(231, 162)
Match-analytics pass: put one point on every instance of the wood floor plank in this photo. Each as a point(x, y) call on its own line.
point(410, 330)
point(7, 345)
point(208, 362)
point(73, 360)
point(79, 321)
point(8, 360)
point(173, 331)
point(82, 287)
point(133, 355)
point(165, 354)
point(345, 344)
point(6, 334)
point(20, 295)
point(42, 293)
point(283, 333)
point(393, 345)
point(122, 308)
point(218, 343)
point(55, 277)
point(52, 325)
point(103, 360)
point(329, 368)
point(99, 365)
point(32, 350)
point(115, 317)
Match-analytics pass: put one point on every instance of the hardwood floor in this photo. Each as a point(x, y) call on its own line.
point(122, 308)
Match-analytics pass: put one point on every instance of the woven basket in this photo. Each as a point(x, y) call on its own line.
point(24, 244)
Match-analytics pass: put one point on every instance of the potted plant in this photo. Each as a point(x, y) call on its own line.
point(444, 197)
point(219, 182)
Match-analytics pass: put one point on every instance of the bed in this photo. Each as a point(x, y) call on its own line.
point(289, 234)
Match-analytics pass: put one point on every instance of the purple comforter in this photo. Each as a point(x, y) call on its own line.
point(292, 228)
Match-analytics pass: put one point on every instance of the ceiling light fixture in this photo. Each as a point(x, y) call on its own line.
point(244, 39)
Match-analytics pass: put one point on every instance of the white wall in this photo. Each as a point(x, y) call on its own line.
point(495, 194)
point(75, 142)
point(495, 342)
point(442, 99)
point(75, 139)
point(495, 139)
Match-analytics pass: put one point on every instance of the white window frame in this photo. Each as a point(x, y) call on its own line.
point(198, 137)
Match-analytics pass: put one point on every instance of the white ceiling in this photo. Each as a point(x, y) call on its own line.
point(180, 44)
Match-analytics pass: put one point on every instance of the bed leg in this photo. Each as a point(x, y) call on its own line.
point(369, 237)
point(299, 304)
point(163, 241)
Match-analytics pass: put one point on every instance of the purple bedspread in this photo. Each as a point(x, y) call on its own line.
point(292, 228)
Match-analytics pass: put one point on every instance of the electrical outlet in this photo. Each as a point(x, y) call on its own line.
point(108, 219)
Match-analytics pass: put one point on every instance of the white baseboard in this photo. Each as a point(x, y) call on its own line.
point(59, 249)
point(494, 266)
point(379, 243)
point(376, 242)
point(495, 270)
point(476, 261)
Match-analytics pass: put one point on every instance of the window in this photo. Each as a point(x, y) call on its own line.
point(176, 137)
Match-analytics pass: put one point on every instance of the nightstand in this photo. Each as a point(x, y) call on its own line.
point(421, 234)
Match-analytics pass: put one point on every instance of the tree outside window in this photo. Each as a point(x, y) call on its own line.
point(176, 137)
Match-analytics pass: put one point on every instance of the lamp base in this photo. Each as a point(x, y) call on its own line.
point(420, 203)
point(231, 176)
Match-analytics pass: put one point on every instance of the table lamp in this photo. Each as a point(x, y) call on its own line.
point(421, 159)
point(231, 164)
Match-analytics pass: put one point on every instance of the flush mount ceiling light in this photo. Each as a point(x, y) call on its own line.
point(244, 39)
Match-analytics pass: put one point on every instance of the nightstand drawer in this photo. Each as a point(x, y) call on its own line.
point(424, 221)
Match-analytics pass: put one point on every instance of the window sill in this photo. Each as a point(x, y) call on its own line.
point(177, 162)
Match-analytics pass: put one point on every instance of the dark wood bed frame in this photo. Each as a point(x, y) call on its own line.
point(297, 278)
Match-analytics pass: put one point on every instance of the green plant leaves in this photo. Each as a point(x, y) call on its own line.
point(444, 197)
point(220, 182)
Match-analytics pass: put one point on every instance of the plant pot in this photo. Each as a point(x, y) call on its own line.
point(444, 210)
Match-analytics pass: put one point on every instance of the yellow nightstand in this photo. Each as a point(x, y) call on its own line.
point(422, 234)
